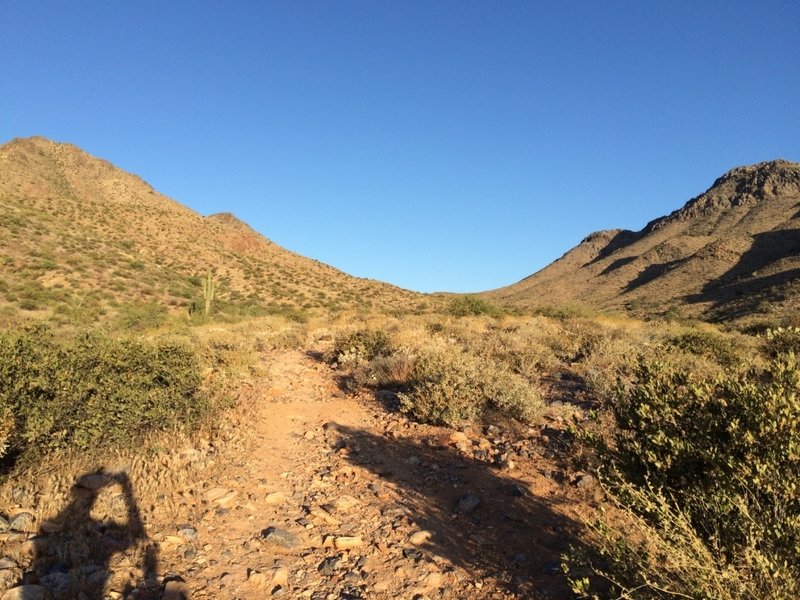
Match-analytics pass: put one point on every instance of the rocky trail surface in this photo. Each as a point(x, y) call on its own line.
point(311, 493)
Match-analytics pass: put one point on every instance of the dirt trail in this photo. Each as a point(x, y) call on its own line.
point(321, 495)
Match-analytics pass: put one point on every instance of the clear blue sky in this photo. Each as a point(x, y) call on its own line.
point(437, 145)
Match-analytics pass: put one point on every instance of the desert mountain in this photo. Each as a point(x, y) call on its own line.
point(82, 239)
point(731, 252)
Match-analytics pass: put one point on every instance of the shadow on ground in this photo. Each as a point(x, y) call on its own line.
point(74, 552)
point(481, 519)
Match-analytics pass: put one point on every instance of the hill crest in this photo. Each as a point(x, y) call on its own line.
point(76, 231)
point(732, 251)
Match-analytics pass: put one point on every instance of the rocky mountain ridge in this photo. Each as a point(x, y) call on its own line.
point(726, 254)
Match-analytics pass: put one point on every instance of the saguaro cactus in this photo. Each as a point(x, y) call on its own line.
point(208, 291)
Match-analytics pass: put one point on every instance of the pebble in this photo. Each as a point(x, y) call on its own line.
point(432, 580)
point(420, 537)
point(93, 481)
point(23, 522)
point(280, 577)
point(348, 542)
point(187, 531)
point(467, 503)
point(328, 566)
point(275, 498)
point(27, 592)
point(176, 590)
point(275, 536)
point(412, 553)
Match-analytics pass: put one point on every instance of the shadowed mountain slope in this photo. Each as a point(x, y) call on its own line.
point(731, 252)
point(83, 239)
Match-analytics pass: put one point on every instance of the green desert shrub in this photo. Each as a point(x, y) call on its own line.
point(782, 340)
point(359, 346)
point(718, 347)
point(721, 458)
point(450, 386)
point(472, 306)
point(90, 390)
point(141, 316)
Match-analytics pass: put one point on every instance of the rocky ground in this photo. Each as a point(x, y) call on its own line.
point(309, 493)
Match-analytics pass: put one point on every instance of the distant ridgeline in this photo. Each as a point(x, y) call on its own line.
point(731, 253)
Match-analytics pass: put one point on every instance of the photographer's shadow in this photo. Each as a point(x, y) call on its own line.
point(73, 551)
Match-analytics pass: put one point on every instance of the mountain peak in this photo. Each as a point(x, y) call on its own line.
point(731, 252)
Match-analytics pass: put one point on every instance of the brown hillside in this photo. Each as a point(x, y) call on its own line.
point(731, 252)
point(81, 238)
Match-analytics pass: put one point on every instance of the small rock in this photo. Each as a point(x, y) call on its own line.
point(432, 581)
point(322, 514)
point(93, 481)
point(280, 577)
point(275, 498)
point(586, 482)
point(27, 592)
point(412, 553)
point(348, 542)
point(227, 498)
point(58, 583)
point(23, 522)
point(258, 579)
point(275, 536)
point(3, 524)
point(216, 493)
point(187, 531)
point(420, 537)
point(6, 562)
point(49, 527)
point(467, 503)
point(344, 503)
point(328, 566)
point(176, 590)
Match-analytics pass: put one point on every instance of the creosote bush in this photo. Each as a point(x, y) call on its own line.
point(710, 463)
point(89, 391)
point(472, 306)
point(353, 348)
point(448, 387)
